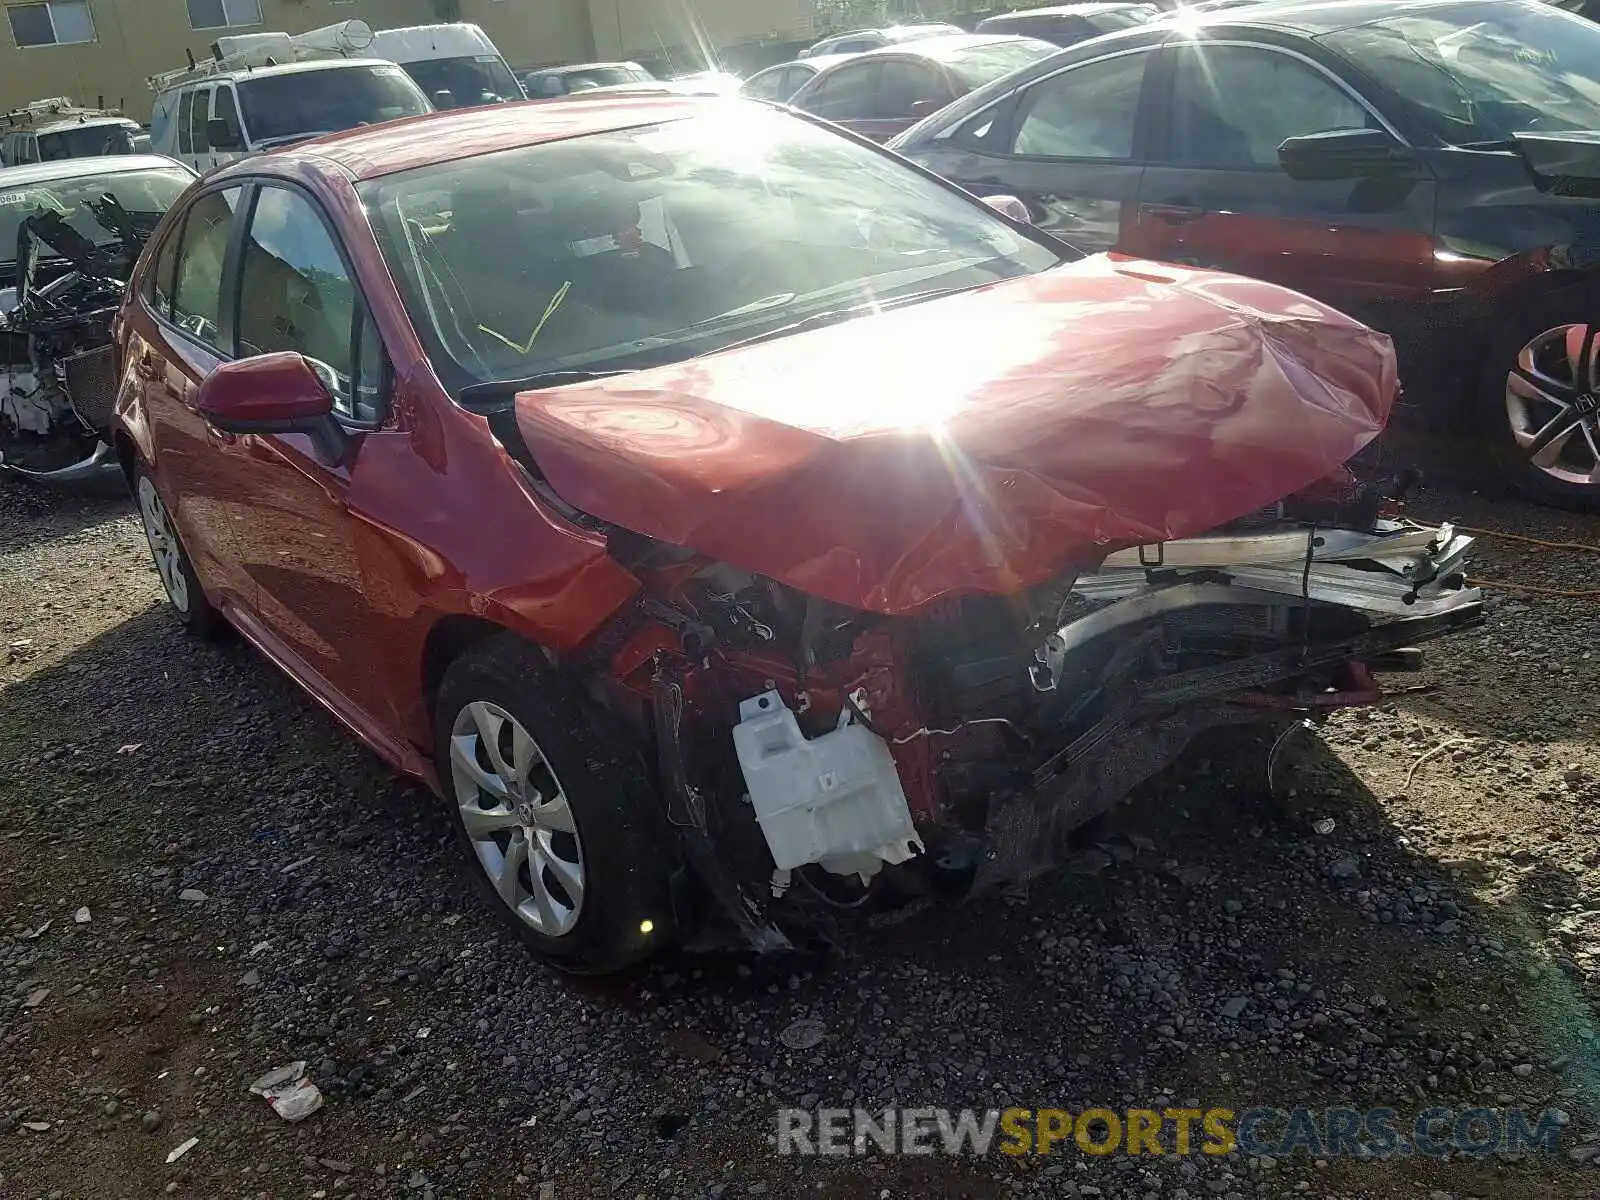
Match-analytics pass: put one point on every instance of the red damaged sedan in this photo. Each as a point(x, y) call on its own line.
point(738, 526)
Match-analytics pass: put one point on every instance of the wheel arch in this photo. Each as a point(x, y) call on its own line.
point(128, 456)
point(448, 639)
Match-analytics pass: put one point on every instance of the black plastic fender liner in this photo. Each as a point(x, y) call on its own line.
point(686, 815)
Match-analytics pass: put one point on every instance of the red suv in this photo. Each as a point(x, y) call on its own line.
point(738, 526)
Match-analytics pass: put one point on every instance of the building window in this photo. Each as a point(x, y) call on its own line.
point(219, 14)
point(57, 23)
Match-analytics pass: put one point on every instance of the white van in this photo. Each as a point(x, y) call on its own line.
point(55, 129)
point(455, 65)
point(266, 90)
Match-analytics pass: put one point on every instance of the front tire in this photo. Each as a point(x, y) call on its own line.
point(554, 810)
point(1539, 400)
point(178, 580)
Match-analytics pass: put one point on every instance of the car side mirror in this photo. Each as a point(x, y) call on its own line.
point(1344, 154)
point(1010, 206)
point(273, 393)
point(223, 134)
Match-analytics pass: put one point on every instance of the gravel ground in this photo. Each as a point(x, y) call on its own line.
point(260, 890)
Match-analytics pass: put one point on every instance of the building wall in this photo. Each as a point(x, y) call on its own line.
point(645, 28)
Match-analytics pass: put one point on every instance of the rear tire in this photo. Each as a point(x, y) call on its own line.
point(554, 810)
point(176, 571)
point(1539, 399)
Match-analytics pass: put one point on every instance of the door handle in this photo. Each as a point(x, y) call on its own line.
point(1173, 214)
point(144, 366)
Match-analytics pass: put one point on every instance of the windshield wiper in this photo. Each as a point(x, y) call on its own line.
point(497, 393)
point(833, 316)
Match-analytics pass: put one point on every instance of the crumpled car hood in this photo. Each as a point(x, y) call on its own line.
point(979, 443)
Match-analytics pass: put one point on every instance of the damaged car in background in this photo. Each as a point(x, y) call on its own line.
point(70, 233)
point(741, 528)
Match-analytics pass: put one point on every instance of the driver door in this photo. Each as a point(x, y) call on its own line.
point(1215, 196)
point(301, 547)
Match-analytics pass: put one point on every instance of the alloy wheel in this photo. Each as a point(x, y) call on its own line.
point(517, 817)
point(164, 547)
point(1553, 402)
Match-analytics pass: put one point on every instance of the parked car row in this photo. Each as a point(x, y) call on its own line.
point(744, 525)
point(1430, 170)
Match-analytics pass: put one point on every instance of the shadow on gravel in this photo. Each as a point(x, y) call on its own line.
point(1211, 945)
point(30, 513)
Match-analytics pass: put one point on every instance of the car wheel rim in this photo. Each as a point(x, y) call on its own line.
point(163, 545)
point(1553, 403)
point(517, 817)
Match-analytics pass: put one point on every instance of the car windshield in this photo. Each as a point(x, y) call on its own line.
point(1113, 19)
point(150, 191)
point(85, 141)
point(472, 80)
point(1510, 68)
point(300, 104)
point(651, 245)
point(983, 63)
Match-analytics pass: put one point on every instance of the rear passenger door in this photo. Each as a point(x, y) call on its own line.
point(167, 359)
point(1071, 146)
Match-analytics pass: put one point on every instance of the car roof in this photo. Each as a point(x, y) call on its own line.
point(244, 73)
point(816, 62)
point(938, 48)
point(401, 145)
point(572, 68)
point(1088, 9)
point(83, 168)
point(1313, 17)
point(84, 123)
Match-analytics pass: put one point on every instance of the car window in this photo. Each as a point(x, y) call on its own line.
point(226, 108)
point(1087, 112)
point(902, 84)
point(847, 93)
point(1213, 124)
point(1512, 68)
point(199, 136)
point(976, 66)
point(659, 243)
point(185, 110)
point(296, 294)
point(145, 194)
point(161, 115)
point(158, 288)
point(766, 86)
point(284, 108)
point(197, 295)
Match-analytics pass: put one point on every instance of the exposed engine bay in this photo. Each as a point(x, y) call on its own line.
point(59, 365)
point(815, 758)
